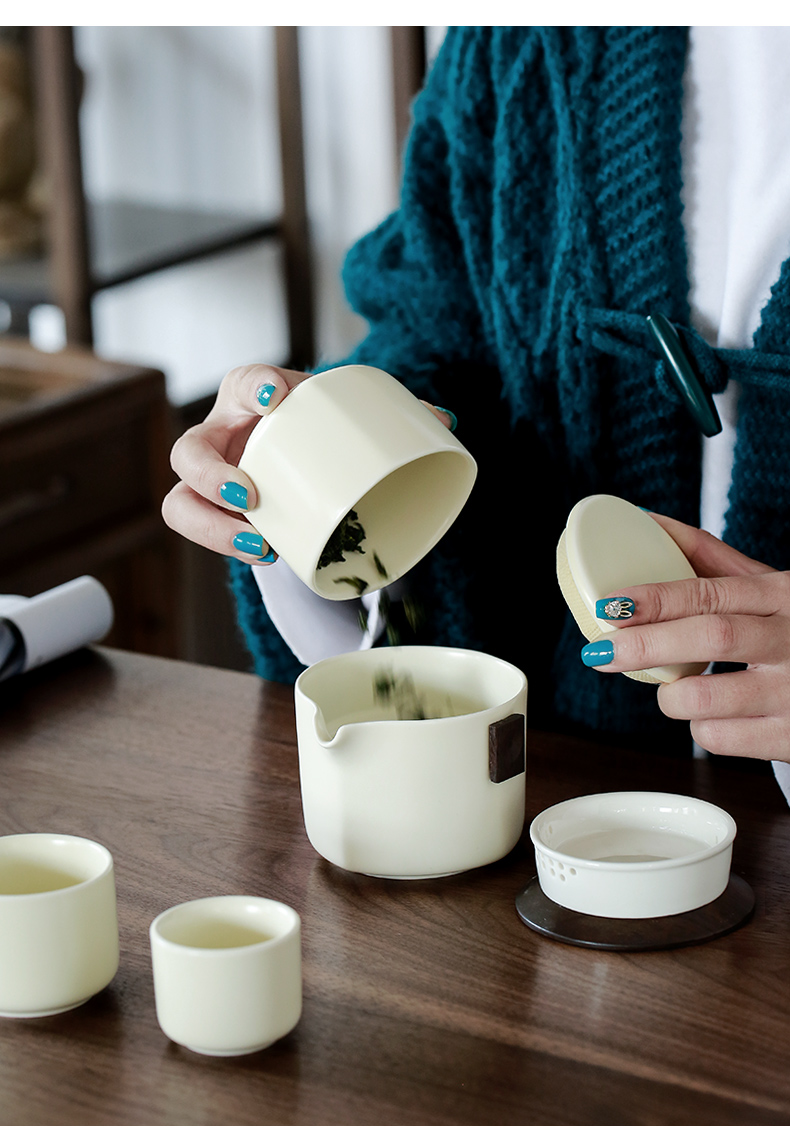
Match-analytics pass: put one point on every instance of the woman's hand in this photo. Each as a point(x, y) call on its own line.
point(738, 610)
point(208, 504)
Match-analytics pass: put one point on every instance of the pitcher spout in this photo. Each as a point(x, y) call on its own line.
point(323, 734)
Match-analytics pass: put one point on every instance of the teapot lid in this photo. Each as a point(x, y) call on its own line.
point(608, 546)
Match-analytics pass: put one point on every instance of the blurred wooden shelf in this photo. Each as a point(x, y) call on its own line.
point(129, 240)
point(91, 246)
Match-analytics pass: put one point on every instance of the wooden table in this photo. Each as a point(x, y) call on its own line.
point(425, 1002)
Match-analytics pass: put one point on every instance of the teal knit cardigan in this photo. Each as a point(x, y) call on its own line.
point(540, 223)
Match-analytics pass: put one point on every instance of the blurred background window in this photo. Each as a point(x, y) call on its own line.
point(186, 118)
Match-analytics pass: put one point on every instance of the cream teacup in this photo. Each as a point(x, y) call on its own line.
point(633, 854)
point(227, 973)
point(352, 450)
point(58, 923)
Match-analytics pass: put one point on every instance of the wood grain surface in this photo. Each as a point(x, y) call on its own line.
point(425, 1002)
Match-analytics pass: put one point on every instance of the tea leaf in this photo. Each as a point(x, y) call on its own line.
point(400, 689)
point(355, 581)
point(347, 538)
point(385, 611)
point(382, 685)
point(414, 612)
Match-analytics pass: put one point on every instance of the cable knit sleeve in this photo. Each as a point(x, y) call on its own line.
point(412, 278)
point(423, 280)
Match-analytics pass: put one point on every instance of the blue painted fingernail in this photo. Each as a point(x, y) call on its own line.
point(251, 543)
point(264, 393)
point(615, 608)
point(234, 494)
point(450, 415)
point(598, 653)
point(268, 559)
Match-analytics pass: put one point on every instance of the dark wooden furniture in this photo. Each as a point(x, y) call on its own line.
point(425, 1002)
point(83, 469)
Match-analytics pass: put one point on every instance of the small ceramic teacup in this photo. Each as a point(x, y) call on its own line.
point(227, 973)
point(412, 759)
point(58, 923)
point(633, 854)
point(356, 480)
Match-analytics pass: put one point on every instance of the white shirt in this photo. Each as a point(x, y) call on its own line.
point(736, 192)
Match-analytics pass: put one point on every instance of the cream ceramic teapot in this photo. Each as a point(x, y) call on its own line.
point(412, 759)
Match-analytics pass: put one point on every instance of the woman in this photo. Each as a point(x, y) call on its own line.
point(541, 221)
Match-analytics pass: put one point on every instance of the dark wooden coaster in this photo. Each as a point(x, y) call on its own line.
point(727, 912)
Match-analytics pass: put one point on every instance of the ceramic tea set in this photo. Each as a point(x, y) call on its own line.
point(412, 759)
point(388, 789)
point(393, 793)
point(227, 969)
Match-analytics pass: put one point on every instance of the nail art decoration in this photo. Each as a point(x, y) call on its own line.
point(615, 608)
